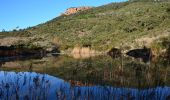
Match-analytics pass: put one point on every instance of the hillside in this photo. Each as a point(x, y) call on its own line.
point(124, 25)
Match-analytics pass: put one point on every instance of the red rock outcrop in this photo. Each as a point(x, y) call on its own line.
point(74, 10)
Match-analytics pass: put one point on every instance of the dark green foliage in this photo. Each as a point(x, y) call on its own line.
point(168, 10)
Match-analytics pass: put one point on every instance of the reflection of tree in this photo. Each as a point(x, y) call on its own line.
point(116, 72)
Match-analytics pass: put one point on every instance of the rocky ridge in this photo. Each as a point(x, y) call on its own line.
point(74, 10)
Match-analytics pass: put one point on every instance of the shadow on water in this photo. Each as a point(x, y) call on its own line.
point(94, 78)
point(145, 54)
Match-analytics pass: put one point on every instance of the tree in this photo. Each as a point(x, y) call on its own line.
point(3, 30)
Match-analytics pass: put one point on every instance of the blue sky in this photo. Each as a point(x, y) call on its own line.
point(25, 13)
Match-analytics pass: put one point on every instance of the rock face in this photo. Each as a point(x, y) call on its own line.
point(74, 10)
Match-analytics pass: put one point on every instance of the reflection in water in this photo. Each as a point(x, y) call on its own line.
point(91, 78)
point(21, 58)
point(35, 86)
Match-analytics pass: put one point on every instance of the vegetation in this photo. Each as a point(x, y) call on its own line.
point(101, 70)
point(104, 27)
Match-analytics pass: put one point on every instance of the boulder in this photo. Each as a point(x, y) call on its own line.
point(115, 52)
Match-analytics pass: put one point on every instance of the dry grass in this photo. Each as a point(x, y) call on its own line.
point(12, 40)
point(83, 52)
point(148, 40)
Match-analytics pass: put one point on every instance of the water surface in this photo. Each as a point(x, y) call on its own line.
point(94, 78)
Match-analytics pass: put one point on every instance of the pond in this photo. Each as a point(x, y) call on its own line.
point(94, 78)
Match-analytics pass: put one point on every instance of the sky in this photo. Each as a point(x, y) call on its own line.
point(26, 13)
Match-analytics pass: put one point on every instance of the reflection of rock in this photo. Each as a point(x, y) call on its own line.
point(114, 52)
point(144, 53)
point(74, 10)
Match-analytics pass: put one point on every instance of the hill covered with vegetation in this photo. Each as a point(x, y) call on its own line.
point(126, 25)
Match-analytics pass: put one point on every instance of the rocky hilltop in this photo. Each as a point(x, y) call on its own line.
point(74, 10)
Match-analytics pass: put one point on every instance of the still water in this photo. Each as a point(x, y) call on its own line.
point(94, 78)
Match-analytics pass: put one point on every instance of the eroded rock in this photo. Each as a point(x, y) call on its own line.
point(74, 10)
